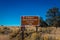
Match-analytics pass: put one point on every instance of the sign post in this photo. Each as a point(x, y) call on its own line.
point(29, 20)
point(22, 29)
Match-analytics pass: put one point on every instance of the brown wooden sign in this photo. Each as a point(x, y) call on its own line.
point(30, 20)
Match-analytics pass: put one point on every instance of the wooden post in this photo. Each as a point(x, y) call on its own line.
point(22, 35)
point(22, 29)
point(36, 28)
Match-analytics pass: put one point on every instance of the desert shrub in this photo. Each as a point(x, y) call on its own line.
point(49, 30)
point(44, 30)
point(6, 30)
point(14, 34)
point(1, 31)
point(35, 36)
point(40, 29)
point(45, 37)
point(51, 38)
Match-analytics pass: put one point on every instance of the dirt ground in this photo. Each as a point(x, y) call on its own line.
point(4, 37)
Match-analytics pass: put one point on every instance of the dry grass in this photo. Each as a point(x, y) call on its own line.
point(48, 33)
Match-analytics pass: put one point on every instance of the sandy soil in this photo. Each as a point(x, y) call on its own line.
point(4, 37)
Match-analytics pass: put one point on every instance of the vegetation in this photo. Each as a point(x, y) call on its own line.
point(44, 33)
point(53, 17)
point(43, 23)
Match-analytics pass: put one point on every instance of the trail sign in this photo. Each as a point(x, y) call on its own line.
point(30, 20)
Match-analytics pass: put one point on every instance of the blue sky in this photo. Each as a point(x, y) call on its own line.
point(12, 10)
